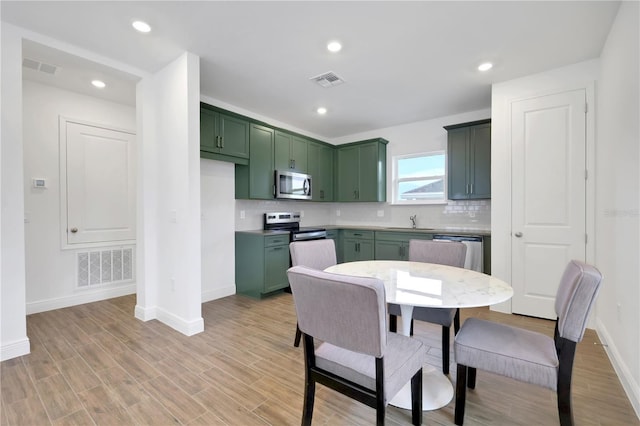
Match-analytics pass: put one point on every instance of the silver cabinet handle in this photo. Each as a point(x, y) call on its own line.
point(518, 234)
point(74, 230)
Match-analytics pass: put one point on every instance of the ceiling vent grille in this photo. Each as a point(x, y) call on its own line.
point(39, 66)
point(327, 79)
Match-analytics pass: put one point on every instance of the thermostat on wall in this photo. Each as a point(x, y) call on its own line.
point(39, 183)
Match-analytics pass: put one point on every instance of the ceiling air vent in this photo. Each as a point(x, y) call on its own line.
point(327, 79)
point(39, 66)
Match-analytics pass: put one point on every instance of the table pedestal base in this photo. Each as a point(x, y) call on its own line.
point(437, 391)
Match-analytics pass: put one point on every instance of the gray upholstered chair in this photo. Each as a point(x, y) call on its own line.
point(316, 254)
point(357, 356)
point(450, 253)
point(526, 355)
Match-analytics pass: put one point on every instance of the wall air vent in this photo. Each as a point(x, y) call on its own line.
point(327, 79)
point(39, 66)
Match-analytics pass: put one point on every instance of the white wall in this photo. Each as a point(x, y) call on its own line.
point(13, 327)
point(218, 239)
point(581, 75)
point(51, 271)
point(618, 198)
point(169, 204)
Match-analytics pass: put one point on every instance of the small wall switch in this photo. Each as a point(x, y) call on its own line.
point(173, 216)
point(39, 183)
point(380, 213)
point(242, 214)
point(301, 214)
point(337, 212)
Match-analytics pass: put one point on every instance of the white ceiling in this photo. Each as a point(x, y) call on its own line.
point(402, 61)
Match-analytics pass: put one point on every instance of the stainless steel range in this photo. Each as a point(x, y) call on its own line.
point(290, 221)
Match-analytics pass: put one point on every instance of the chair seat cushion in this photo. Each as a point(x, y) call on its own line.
point(509, 351)
point(403, 357)
point(442, 316)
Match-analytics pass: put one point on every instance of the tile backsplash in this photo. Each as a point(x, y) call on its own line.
point(470, 214)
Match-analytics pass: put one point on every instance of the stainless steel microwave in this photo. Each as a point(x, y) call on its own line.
point(292, 185)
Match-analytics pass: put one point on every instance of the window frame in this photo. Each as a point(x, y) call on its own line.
point(396, 181)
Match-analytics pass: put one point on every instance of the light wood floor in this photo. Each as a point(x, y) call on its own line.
point(97, 364)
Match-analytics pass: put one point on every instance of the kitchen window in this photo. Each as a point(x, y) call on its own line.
point(419, 178)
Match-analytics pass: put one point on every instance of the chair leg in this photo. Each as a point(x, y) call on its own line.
point(461, 394)
point(471, 378)
point(393, 323)
point(411, 328)
point(296, 342)
point(416, 398)
point(307, 409)
point(566, 355)
point(456, 322)
point(446, 331)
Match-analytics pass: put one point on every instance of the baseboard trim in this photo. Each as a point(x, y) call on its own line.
point(186, 327)
point(218, 293)
point(80, 298)
point(15, 349)
point(631, 388)
point(145, 314)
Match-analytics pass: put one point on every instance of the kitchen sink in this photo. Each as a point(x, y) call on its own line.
point(406, 228)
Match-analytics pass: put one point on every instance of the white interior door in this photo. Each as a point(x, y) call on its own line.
point(548, 196)
point(100, 184)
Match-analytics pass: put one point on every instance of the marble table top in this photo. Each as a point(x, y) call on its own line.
point(429, 284)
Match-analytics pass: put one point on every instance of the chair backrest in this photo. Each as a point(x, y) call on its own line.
point(451, 253)
point(316, 254)
point(575, 298)
point(346, 311)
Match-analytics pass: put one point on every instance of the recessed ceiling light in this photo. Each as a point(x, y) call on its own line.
point(334, 46)
point(321, 110)
point(141, 26)
point(485, 67)
point(99, 84)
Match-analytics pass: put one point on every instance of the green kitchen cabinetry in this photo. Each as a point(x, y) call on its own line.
point(290, 152)
point(395, 245)
point(261, 263)
point(486, 254)
point(469, 160)
point(223, 136)
point(255, 181)
point(362, 171)
point(320, 167)
point(357, 245)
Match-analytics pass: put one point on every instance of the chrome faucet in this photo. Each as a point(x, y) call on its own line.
point(413, 221)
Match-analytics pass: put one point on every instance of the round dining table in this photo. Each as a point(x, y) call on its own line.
point(418, 284)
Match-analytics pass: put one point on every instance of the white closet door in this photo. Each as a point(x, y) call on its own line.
point(549, 195)
point(100, 184)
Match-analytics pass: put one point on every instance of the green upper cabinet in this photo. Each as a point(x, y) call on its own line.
point(362, 171)
point(469, 160)
point(223, 136)
point(255, 181)
point(320, 167)
point(290, 152)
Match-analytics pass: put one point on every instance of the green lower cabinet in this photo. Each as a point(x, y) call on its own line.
point(395, 245)
point(357, 245)
point(261, 263)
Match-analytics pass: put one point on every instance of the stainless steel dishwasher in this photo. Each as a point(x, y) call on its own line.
point(473, 259)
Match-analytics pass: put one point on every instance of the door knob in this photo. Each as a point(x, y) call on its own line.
point(518, 234)
point(74, 230)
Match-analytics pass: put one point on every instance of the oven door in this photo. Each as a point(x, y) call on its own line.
point(291, 185)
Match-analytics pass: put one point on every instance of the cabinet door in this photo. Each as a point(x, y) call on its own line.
point(365, 250)
point(369, 177)
point(480, 161)
point(208, 135)
point(299, 148)
point(390, 250)
point(350, 250)
point(283, 151)
point(457, 164)
point(326, 161)
point(234, 136)
point(261, 162)
point(276, 263)
point(348, 174)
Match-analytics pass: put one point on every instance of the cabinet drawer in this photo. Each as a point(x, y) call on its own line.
point(276, 240)
point(358, 234)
